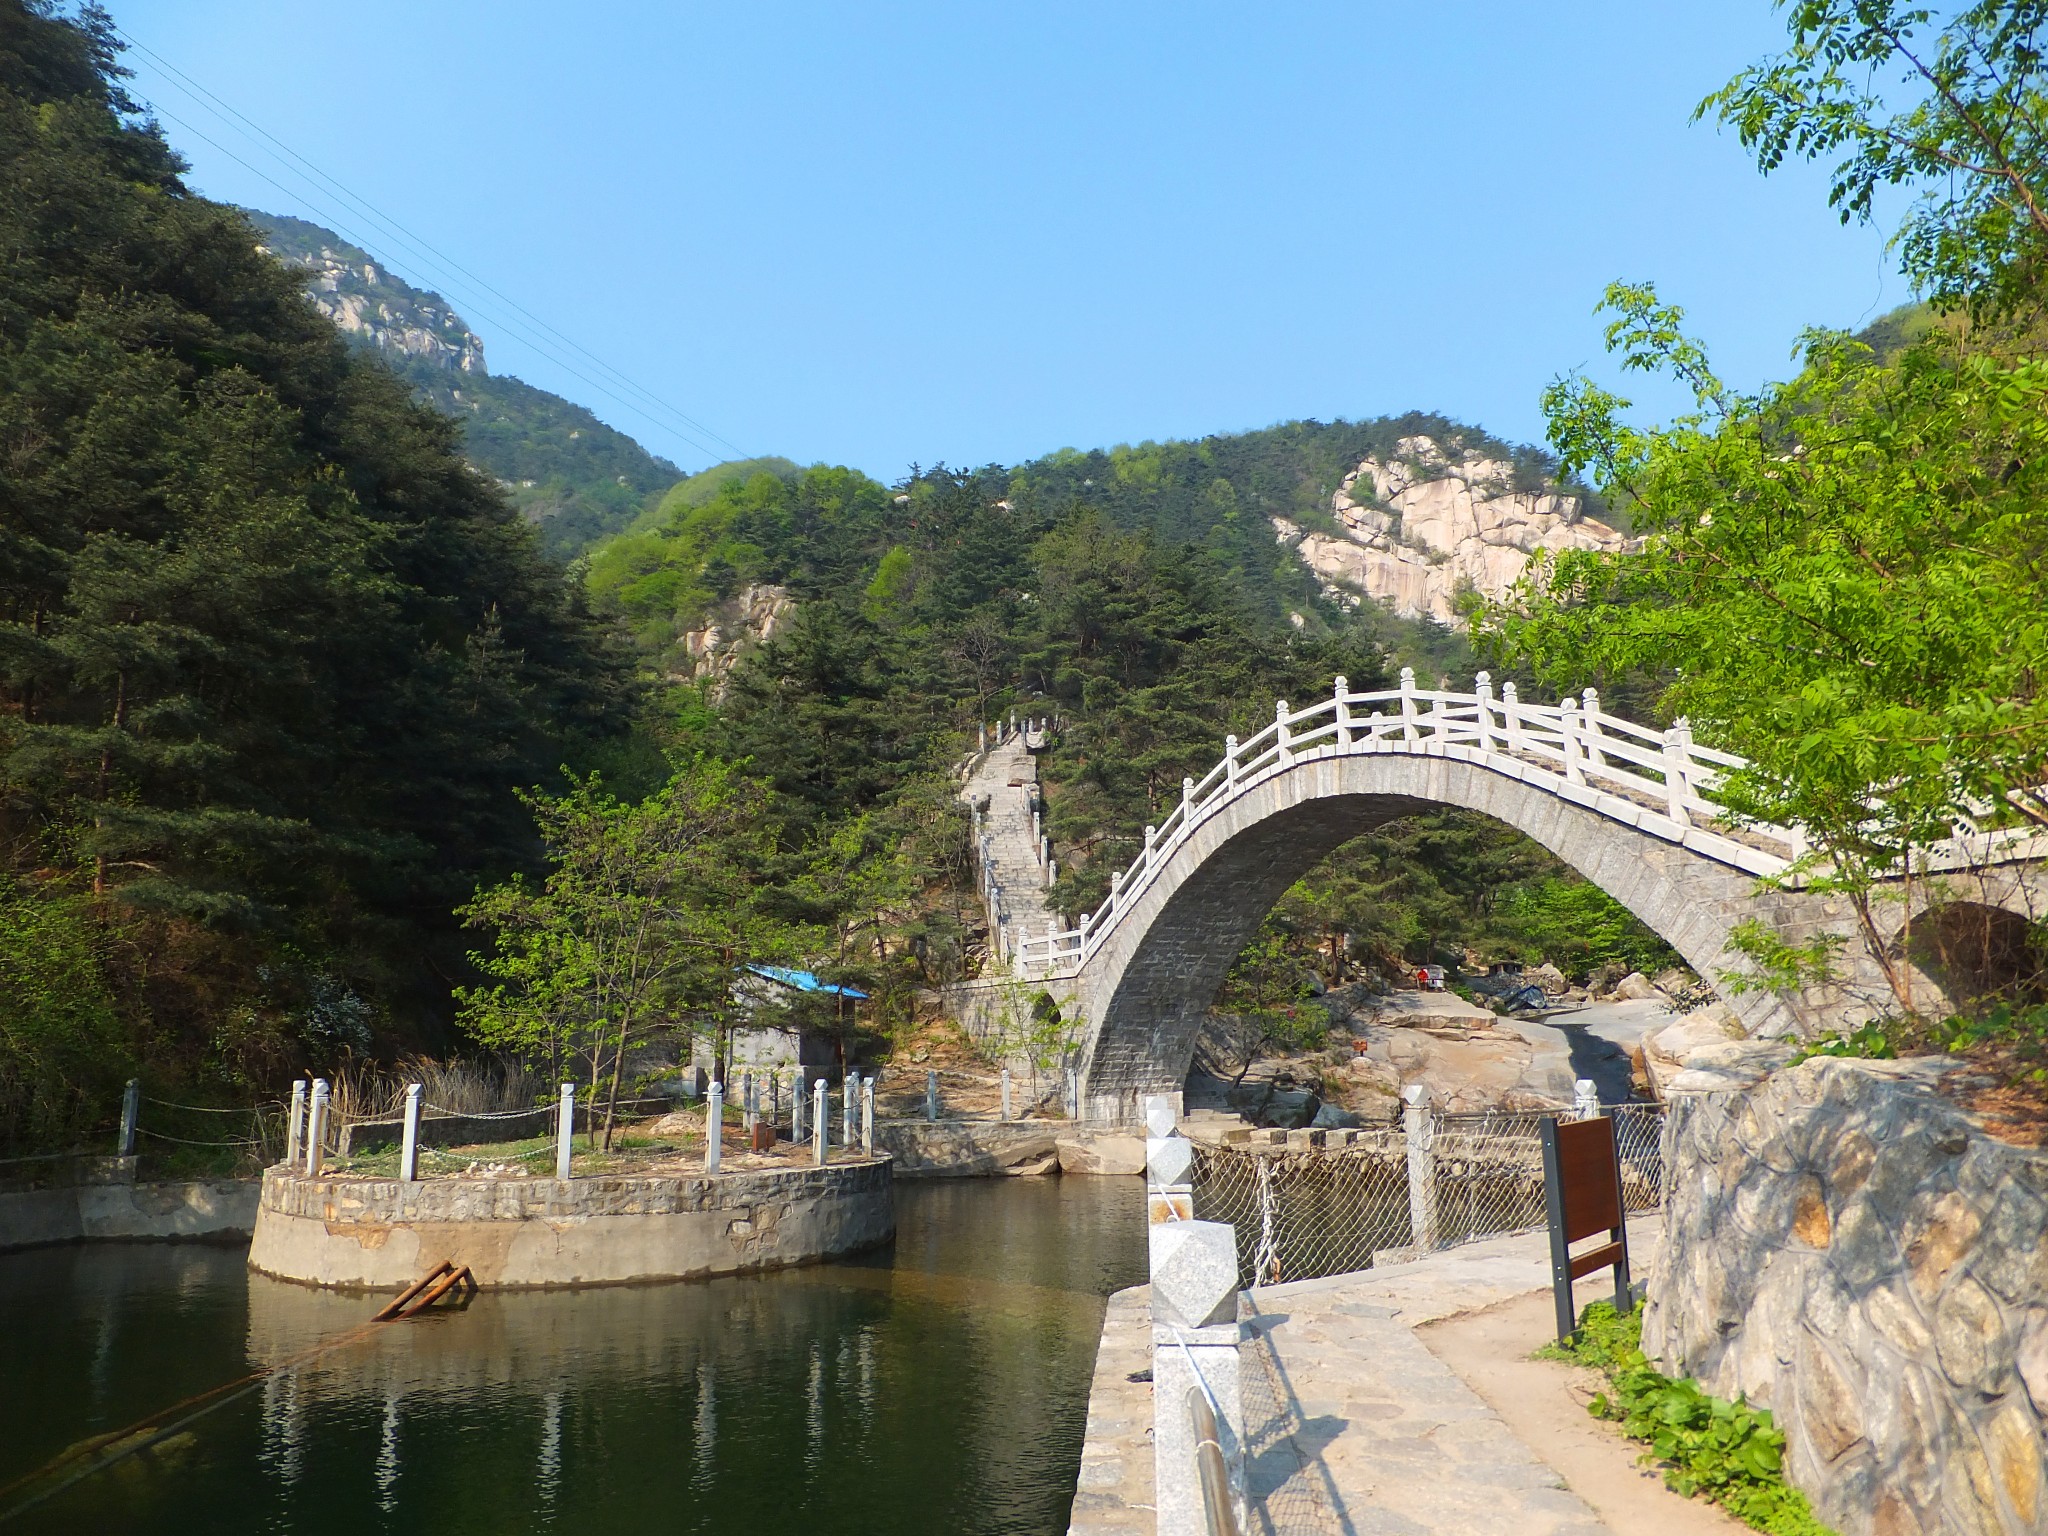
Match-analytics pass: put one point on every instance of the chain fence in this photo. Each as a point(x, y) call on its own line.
point(1303, 1211)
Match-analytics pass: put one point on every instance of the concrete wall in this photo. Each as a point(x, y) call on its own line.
point(379, 1234)
point(1846, 1246)
point(217, 1209)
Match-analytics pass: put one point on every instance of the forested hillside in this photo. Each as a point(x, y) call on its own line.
point(273, 657)
point(1137, 595)
point(577, 478)
point(287, 686)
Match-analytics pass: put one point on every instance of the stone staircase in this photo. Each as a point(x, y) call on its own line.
point(1001, 786)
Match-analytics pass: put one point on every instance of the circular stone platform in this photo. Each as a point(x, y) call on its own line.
point(380, 1234)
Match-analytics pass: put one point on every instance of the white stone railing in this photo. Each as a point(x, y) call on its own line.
point(1662, 783)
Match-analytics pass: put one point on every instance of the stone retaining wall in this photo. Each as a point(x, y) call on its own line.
point(1847, 1247)
point(952, 1149)
point(379, 1234)
point(222, 1210)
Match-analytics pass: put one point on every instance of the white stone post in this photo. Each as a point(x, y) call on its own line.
point(565, 1130)
point(1408, 731)
point(1511, 716)
point(295, 1124)
point(1439, 721)
point(1586, 1099)
point(316, 1126)
point(1678, 772)
point(131, 1115)
point(1482, 686)
point(409, 1140)
point(849, 1106)
point(1591, 719)
point(714, 1126)
point(1169, 1156)
point(821, 1124)
point(1342, 693)
point(1281, 739)
point(1052, 868)
point(1230, 762)
point(1420, 1126)
point(867, 1116)
point(1568, 732)
point(1006, 1093)
point(1195, 1355)
point(796, 1107)
point(931, 1095)
point(747, 1101)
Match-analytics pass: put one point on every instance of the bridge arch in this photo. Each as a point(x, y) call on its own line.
point(1636, 811)
point(1146, 990)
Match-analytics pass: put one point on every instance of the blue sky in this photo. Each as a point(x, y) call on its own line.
point(882, 233)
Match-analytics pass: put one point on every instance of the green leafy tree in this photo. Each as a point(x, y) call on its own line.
point(1971, 139)
point(641, 924)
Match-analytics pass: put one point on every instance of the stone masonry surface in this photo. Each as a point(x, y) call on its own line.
point(380, 1233)
point(1847, 1247)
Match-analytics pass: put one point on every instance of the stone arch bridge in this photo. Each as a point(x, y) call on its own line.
point(1633, 810)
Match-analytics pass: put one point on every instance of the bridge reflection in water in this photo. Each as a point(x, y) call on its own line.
point(938, 1387)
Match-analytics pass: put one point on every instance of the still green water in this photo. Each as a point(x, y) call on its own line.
point(939, 1385)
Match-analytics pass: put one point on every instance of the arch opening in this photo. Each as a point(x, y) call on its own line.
point(1980, 954)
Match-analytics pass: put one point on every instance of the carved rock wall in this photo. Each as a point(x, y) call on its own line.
point(1847, 1247)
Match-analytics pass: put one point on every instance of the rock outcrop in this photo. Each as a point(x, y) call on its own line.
point(1846, 1246)
point(366, 303)
point(1417, 528)
point(730, 630)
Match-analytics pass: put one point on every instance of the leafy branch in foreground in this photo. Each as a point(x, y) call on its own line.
point(1711, 1448)
point(1974, 138)
point(1843, 580)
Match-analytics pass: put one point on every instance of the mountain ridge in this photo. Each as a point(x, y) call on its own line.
point(577, 478)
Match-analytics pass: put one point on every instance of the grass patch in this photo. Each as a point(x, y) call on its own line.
point(1711, 1448)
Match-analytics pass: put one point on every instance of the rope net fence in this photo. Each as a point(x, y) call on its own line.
point(1385, 1194)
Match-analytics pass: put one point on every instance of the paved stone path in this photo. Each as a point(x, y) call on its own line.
point(1353, 1427)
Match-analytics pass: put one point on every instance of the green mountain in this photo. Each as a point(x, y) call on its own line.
point(565, 470)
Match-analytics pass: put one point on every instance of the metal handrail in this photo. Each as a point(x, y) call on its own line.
point(1219, 1509)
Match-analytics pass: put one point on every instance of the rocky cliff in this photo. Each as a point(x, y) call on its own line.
point(731, 629)
point(1417, 527)
point(368, 304)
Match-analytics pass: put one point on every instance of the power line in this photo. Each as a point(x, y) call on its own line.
point(428, 255)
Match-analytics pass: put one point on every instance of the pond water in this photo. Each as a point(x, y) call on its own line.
point(939, 1385)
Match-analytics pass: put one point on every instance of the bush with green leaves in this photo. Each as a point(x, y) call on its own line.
point(1711, 1448)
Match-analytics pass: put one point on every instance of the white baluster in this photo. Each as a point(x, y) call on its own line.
point(1187, 803)
point(1280, 737)
point(1511, 717)
point(1568, 729)
point(1342, 693)
point(1590, 720)
point(1408, 732)
point(1230, 762)
point(1676, 761)
point(1439, 722)
point(1482, 686)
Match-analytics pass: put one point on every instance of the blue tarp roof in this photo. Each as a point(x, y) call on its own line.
point(804, 981)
